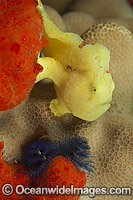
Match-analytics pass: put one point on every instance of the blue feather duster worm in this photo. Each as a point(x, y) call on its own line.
point(37, 154)
point(78, 151)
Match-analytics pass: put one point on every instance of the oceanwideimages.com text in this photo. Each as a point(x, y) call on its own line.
point(7, 190)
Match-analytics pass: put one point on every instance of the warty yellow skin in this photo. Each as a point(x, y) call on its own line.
point(80, 72)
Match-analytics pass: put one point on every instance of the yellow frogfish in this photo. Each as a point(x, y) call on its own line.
point(79, 71)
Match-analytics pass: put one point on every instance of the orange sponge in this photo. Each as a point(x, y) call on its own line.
point(21, 39)
point(61, 171)
point(12, 174)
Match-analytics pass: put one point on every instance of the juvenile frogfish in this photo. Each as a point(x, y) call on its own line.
point(80, 72)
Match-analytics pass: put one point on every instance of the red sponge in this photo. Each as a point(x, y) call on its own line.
point(61, 171)
point(21, 39)
point(11, 174)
